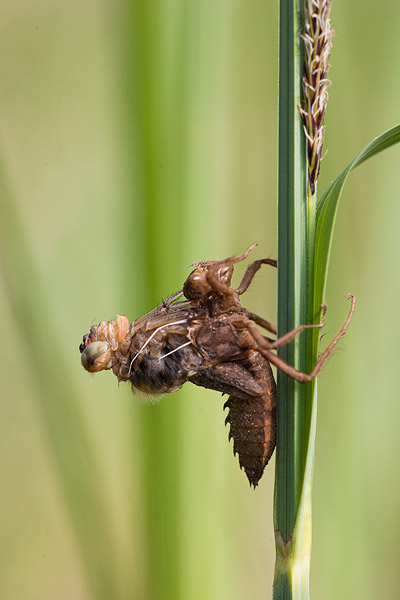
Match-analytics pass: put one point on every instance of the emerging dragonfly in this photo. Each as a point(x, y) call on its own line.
point(210, 339)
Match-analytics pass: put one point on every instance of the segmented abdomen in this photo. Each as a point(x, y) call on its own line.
point(252, 420)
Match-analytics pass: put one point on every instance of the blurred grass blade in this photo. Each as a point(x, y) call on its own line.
point(154, 44)
point(69, 444)
point(327, 207)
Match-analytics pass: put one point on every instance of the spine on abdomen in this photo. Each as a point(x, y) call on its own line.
point(252, 420)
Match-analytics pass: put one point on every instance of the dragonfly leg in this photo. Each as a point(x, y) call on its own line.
point(251, 271)
point(260, 321)
point(265, 347)
point(285, 339)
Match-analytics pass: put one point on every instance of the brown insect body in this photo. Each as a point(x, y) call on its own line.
point(210, 340)
point(146, 355)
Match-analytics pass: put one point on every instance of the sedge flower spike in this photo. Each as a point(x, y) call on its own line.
point(317, 38)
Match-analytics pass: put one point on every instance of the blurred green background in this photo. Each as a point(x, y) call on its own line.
point(136, 138)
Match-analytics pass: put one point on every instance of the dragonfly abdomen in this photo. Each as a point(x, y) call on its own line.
point(252, 420)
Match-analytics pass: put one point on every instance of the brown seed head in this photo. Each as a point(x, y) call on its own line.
point(317, 38)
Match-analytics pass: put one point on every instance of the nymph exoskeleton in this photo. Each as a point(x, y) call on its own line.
point(211, 340)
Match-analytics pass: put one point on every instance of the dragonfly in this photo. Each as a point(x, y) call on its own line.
point(202, 334)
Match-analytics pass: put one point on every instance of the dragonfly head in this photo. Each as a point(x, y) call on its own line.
point(101, 342)
point(95, 356)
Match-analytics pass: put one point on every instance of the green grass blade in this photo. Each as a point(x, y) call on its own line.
point(292, 257)
point(296, 409)
point(327, 209)
point(300, 295)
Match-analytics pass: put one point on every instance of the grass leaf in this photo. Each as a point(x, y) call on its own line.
point(327, 207)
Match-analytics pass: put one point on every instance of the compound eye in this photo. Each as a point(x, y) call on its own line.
point(196, 285)
point(95, 357)
point(83, 345)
